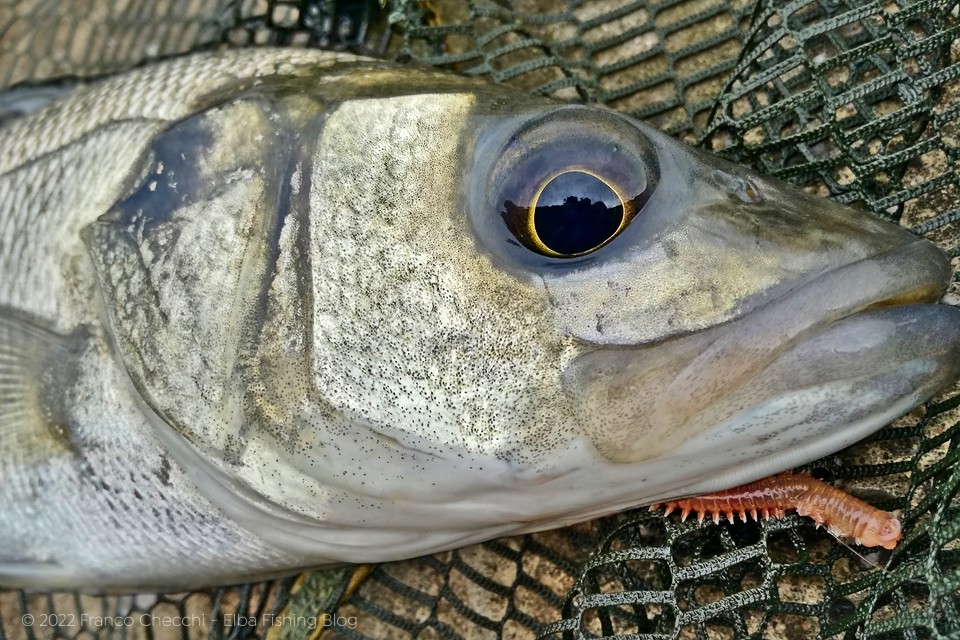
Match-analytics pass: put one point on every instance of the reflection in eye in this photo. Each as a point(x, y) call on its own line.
point(576, 212)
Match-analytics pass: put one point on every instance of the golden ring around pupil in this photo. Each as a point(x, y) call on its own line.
point(531, 227)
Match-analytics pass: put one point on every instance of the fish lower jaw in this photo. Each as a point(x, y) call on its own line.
point(825, 393)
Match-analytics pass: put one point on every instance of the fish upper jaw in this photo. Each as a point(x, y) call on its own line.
point(917, 272)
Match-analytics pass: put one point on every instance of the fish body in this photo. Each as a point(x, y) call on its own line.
point(269, 309)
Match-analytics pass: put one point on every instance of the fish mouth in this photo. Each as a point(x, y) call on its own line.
point(910, 274)
point(915, 273)
point(816, 369)
point(821, 367)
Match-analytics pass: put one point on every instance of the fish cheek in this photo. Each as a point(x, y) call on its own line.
point(412, 323)
point(618, 398)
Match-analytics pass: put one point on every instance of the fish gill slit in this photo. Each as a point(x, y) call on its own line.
point(252, 320)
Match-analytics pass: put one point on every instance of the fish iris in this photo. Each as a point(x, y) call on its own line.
point(576, 212)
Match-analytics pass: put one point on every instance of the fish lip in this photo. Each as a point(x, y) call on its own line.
point(731, 356)
point(708, 399)
point(923, 274)
point(914, 272)
point(917, 272)
point(842, 383)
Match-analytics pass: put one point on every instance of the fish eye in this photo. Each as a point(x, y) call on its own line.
point(570, 183)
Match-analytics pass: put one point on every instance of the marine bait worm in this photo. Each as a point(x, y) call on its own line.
point(841, 513)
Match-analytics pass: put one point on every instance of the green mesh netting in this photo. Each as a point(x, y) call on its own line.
point(857, 100)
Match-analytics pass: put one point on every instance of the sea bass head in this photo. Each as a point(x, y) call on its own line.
point(376, 312)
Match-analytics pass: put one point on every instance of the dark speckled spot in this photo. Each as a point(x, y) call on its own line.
point(170, 182)
point(163, 473)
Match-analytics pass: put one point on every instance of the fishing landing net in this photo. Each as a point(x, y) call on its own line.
point(857, 100)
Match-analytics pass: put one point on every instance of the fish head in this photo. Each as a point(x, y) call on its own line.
point(429, 311)
point(727, 308)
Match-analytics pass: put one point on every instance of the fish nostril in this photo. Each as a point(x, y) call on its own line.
point(742, 188)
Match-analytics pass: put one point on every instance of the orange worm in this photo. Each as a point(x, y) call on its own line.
point(840, 512)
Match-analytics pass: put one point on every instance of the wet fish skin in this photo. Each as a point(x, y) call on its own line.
point(261, 311)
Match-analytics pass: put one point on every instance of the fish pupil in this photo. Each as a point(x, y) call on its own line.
point(576, 212)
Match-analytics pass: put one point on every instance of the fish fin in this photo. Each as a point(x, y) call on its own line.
point(37, 367)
